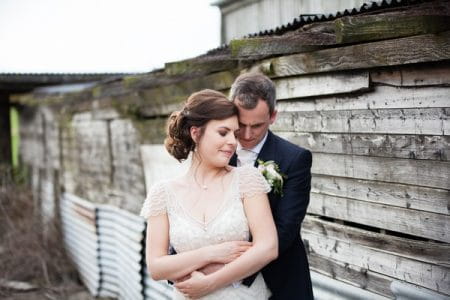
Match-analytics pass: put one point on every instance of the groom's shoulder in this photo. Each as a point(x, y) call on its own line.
point(288, 146)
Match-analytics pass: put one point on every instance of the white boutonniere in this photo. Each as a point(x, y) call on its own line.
point(271, 172)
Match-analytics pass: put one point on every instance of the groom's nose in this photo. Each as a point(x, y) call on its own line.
point(246, 133)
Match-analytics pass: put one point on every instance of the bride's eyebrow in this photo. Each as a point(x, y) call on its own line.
point(228, 128)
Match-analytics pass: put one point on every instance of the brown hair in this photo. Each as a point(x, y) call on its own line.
point(200, 108)
point(249, 88)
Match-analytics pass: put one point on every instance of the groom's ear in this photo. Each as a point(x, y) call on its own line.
point(273, 117)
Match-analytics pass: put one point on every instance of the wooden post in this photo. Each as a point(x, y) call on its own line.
point(5, 130)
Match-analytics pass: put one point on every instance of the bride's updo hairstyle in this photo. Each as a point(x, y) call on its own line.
point(200, 108)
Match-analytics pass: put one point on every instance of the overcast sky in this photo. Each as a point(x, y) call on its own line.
point(103, 35)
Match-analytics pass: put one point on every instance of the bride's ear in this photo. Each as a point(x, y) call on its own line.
point(195, 133)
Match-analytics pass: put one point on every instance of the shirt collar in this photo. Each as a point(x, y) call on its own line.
point(258, 147)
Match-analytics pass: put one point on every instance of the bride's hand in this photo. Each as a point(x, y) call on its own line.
point(228, 251)
point(211, 268)
point(196, 286)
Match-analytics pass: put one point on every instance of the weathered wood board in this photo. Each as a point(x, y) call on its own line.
point(427, 121)
point(435, 47)
point(386, 193)
point(430, 147)
point(423, 274)
point(381, 97)
point(320, 85)
point(433, 174)
point(417, 223)
point(424, 251)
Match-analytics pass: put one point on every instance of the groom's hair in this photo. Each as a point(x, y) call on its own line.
point(249, 88)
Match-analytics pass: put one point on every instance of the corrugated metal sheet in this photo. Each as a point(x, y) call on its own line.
point(107, 245)
point(81, 239)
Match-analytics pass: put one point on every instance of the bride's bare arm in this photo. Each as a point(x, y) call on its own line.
point(173, 267)
point(264, 250)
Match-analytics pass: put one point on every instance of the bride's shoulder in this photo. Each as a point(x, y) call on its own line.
point(247, 170)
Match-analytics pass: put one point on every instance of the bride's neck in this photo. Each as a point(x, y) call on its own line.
point(202, 170)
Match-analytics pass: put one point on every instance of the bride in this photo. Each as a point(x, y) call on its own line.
point(209, 214)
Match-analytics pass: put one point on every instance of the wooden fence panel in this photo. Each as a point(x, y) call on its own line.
point(384, 145)
point(417, 223)
point(386, 193)
point(433, 174)
point(421, 273)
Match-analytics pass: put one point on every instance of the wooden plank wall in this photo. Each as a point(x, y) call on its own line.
point(379, 209)
point(373, 109)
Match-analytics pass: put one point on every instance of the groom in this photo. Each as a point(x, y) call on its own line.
point(288, 276)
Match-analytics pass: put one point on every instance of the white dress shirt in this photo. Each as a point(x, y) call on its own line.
point(248, 156)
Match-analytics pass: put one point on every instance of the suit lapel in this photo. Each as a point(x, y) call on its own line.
point(233, 160)
point(268, 150)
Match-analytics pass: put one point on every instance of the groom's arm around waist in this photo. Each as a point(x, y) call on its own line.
point(290, 210)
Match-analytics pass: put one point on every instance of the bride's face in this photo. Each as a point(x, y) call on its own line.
point(218, 142)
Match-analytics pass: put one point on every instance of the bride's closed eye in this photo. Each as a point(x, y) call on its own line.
point(223, 132)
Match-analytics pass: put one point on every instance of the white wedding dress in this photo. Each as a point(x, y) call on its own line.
point(229, 224)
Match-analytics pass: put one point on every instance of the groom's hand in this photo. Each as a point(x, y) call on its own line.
point(196, 286)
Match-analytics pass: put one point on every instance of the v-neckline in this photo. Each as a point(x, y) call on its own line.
point(206, 225)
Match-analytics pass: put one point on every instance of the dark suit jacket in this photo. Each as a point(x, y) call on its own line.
point(288, 276)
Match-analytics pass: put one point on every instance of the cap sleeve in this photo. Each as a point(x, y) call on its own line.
point(155, 203)
point(252, 182)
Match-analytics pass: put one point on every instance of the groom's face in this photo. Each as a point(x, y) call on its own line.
point(254, 123)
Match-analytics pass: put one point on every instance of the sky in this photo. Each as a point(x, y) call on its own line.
point(85, 36)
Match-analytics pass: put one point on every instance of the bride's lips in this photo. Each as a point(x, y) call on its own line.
point(228, 153)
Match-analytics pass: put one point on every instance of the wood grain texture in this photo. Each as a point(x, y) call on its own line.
point(163, 100)
point(386, 193)
point(428, 121)
point(434, 174)
point(380, 27)
point(319, 85)
point(417, 223)
point(201, 65)
point(431, 276)
point(425, 251)
point(354, 275)
point(384, 145)
point(297, 42)
point(417, 75)
point(434, 47)
point(379, 97)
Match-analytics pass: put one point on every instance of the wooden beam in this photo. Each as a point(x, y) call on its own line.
point(433, 174)
point(297, 42)
point(351, 274)
point(427, 275)
point(417, 223)
point(379, 27)
point(425, 251)
point(437, 74)
point(427, 121)
point(380, 97)
point(382, 145)
point(433, 47)
point(201, 65)
point(321, 84)
point(163, 100)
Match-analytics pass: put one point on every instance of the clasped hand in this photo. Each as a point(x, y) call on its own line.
point(199, 284)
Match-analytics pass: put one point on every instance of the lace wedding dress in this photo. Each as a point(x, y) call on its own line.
point(229, 224)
